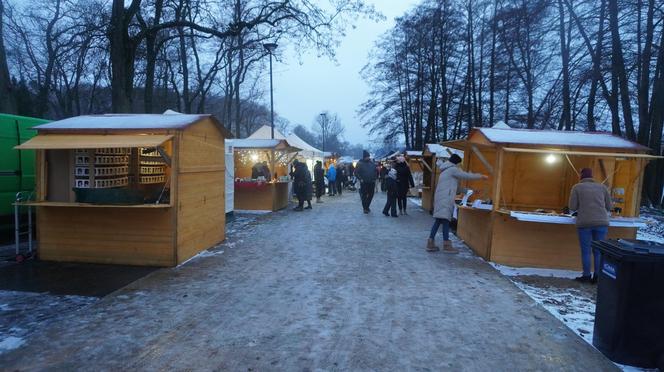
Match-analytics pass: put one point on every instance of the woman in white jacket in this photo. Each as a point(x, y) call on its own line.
point(443, 207)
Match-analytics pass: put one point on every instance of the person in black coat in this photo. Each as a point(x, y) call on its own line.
point(301, 185)
point(392, 188)
point(319, 180)
point(405, 182)
point(341, 178)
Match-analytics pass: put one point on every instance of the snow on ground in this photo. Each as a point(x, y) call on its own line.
point(570, 302)
point(654, 229)
point(23, 313)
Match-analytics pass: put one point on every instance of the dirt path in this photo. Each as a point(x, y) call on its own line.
point(329, 289)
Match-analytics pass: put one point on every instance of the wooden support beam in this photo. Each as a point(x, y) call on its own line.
point(482, 158)
point(426, 165)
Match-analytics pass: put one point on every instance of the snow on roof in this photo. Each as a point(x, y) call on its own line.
point(123, 122)
point(558, 138)
point(265, 132)
point(501, 125)
point(442, 151)
point(413, 153)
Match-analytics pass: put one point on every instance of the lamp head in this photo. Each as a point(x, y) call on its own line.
point(270, 47)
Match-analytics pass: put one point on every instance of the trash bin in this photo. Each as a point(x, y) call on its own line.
point(629, 317)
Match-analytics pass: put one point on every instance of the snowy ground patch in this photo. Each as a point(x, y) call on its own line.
point(23, 313)
point(570, 302)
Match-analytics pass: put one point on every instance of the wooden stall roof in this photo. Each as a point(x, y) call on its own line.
point(264, 144)
point(528, 137)
point(128, 122)
point(92, 141)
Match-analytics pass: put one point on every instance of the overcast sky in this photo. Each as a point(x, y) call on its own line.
point(306, 86)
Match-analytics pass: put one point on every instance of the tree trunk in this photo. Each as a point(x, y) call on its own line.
point(7, 102)
point(618, 67)
point(122, 53)
point(566, 118)
point(644, 78)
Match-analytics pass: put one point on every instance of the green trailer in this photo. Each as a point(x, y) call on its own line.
point(17, 167)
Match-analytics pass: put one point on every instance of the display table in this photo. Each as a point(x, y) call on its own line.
point(529, 239)
point(261, 196)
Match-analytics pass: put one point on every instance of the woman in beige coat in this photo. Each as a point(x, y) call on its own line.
point(443, 207)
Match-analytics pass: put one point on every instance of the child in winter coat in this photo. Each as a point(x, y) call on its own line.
point(392, 191)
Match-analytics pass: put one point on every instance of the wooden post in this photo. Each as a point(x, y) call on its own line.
point(497, 179)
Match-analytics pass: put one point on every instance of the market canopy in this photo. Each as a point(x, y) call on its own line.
point(92, 141)
point(264, 144)
point(308, 151)
point(265, 132)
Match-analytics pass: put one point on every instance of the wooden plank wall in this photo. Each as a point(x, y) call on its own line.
point(474, 227)
point(200, 189)
point(545, 245)
point(254, 200)
point(106, 235)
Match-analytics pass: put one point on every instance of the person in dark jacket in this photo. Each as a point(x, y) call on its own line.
point(382, 175)
point(265, 169)
point(405, 182)
point(302, 185)
point(365, 171)
point(319, 180)
point(592, 202)
point(341, 178)
point(392, 192)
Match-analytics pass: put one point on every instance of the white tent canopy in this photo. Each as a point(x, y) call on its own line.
point(265, 132)
point(308, 151)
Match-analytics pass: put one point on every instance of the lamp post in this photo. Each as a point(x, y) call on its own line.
point(270, 47)
point(323, 127)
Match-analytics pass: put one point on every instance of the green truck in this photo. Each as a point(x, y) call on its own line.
point(17, 167)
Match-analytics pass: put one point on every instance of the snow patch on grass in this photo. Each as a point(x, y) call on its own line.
point(529, 271)
point(11, 343)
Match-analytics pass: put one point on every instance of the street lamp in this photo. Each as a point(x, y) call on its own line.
point(270, 47)
point(323, 126)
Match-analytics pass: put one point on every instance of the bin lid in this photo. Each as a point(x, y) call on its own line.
point(633, 248)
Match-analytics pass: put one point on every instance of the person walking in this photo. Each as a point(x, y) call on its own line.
point(443, 206)
point(392, 187)
point(365, 171)
point(382, 175)
point(405, 182)
point(341, 174)
point(592, 202)
point(331, 180)
point(302, 185)
point(319, 181)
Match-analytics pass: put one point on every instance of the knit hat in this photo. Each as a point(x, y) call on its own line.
point(365, 154)
point(455, 159)
point(401, 159)
point(586, 173)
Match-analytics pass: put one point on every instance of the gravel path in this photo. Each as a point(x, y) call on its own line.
point(327, 289)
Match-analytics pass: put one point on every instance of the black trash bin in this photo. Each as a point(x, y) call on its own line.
point(629, 317)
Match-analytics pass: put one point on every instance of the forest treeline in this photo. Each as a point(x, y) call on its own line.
point(60, 58)
point(588, 65)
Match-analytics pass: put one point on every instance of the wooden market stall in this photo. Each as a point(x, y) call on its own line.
point(430, 171)
point(519, 217)
point(129, 189)
point(414, 160)
point(268, 191)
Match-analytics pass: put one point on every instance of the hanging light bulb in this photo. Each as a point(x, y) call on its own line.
point(550, 159)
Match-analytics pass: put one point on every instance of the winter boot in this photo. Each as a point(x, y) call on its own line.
point(405, 212)
point(431, 246)
point(318, 200)
point(448, 248)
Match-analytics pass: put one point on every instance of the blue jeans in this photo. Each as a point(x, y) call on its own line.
point(586, 236)
point(436, 225)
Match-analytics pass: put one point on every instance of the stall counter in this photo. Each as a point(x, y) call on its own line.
point(261, 196)
point(505, 239)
